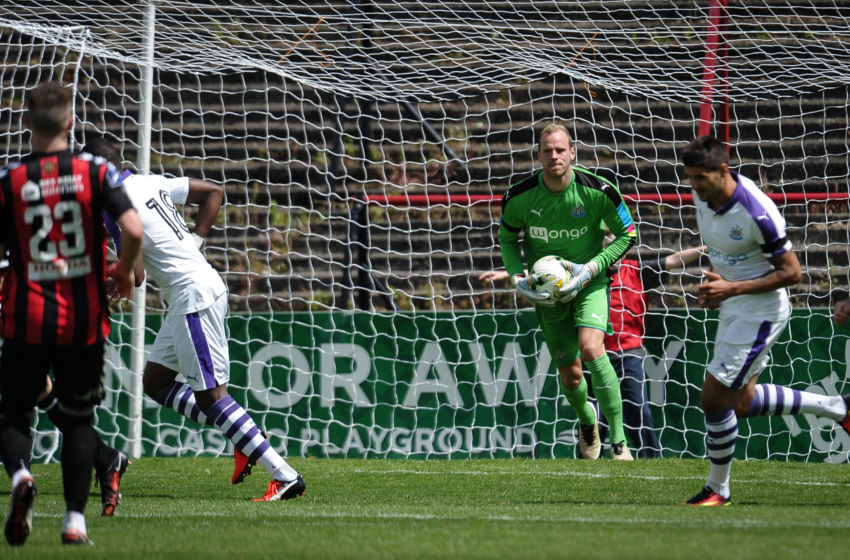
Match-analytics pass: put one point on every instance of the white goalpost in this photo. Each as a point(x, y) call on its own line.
point(364, 147)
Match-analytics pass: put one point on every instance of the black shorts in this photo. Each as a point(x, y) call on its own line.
point(77, 375)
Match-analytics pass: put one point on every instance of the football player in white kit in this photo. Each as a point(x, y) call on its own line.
point(192, 340)
point(753, 265)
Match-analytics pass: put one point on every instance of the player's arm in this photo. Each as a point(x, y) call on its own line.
point(841, 310)
point(209, 198)
point(786, 272)
point(139, 270)
point(683, 258)
point(493, 276)
point(841, 313)
point(120, 209)
point(512, 258)
point(115, 233)
point(122, 272)
point(654, 271)
point(510, 249)
point(131, 239)
point(618, 221)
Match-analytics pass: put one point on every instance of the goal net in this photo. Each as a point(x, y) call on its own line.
point(364, 148)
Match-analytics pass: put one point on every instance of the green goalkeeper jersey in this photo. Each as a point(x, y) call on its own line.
point(570, 224)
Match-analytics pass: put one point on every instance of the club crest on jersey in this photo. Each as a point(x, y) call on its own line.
point(736, 233)
point(114, 177)
point(578, 211)
point(48, 167)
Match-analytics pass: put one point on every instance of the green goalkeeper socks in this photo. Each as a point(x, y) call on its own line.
point(578, 399)
point(606, 387)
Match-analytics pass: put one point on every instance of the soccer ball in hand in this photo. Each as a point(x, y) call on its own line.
point(549, 275)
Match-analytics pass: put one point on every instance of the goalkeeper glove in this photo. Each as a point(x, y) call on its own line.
point(582, 275)
point(523, 287)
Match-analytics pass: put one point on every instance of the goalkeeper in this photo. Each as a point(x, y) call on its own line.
point(563, 210)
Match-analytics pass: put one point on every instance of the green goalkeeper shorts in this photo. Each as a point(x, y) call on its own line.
point(560, 322)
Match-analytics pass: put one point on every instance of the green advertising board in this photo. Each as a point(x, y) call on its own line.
point(477, 384)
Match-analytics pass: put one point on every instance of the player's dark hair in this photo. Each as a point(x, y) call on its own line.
point(105, 149)
point(48, 108)
point(705, 151)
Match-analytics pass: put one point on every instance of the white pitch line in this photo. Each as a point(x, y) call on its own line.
point(593, 475)
point(366, 516)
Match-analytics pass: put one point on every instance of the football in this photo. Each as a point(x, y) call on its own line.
point(549, 275)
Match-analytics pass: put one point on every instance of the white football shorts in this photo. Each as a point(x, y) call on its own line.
point(195, 345)
point(742, 346)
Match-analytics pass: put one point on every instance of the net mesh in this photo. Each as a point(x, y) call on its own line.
point(364, 147)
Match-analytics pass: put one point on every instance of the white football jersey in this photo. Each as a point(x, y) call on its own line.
point(188, 282)
point(741, 237)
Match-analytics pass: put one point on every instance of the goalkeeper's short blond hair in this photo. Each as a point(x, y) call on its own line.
point(552, 128)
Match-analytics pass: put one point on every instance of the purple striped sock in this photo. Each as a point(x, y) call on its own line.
point(721, 436)
point(239, 427)
point(180, 397)
point(774, 399)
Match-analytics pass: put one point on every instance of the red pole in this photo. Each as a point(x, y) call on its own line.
point(723, 133)
point(717, 18)
point(678, 198)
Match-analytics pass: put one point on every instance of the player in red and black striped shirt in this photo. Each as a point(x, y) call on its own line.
point(55, 297)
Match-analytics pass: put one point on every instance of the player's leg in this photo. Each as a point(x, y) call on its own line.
point(160, 376)
point(601, 420)
point(15, 443)
point(741, 351)
point(78, 385)
point(558, 330)
point(236, 423)
point(576, 390)
point(200, 343)
point(109, 463)
point(606, 387)
point(22, 373)
point(721, 436)
point(590, 311)
point(769, 399)
point(638, 417)
point(79, 444)
point(630, 393)
point(161, 384)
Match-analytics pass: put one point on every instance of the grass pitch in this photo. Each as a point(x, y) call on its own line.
point(513, 508)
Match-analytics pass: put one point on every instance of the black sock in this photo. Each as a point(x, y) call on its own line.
point(15, 443)
point(79, 445)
